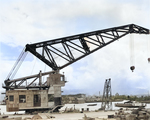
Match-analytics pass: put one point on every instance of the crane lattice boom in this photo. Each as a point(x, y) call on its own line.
point(68, 50)
point(72, 48)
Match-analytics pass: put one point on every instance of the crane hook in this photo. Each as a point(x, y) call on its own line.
point(149, 60)
point(132, 68)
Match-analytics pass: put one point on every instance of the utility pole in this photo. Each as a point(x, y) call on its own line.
point(106, 100)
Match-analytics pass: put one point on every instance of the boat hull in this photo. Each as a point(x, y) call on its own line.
point(129, 105)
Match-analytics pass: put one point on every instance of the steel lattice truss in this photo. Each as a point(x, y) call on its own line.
point(70, 49)
point(106, 100)
point(28, 82)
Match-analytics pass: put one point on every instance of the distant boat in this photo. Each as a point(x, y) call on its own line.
point(2, 103)
point(91, 104)
point(130, 104)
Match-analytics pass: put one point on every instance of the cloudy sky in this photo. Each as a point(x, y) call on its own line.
point(29, 21)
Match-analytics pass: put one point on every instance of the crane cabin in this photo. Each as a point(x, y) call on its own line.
point(41, 96)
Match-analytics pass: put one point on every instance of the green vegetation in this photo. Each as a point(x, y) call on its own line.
point(131, 97)
point(72, 98)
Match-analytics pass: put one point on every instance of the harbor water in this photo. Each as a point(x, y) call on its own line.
point(68, 106)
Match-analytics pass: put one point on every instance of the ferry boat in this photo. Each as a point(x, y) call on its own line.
point(130, 104)
point(3, 103)
point(91, 104)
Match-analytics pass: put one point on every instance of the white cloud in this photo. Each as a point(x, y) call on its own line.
point(25, 22)
point(31, 21)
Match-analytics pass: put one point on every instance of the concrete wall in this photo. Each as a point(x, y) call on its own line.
point(12, 105)
point(44, 98)
point(56, 81)
point(29, 102)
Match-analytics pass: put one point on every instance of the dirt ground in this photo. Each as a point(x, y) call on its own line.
point(69, 116)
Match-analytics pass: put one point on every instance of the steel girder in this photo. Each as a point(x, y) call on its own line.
point(72, 48)
point(28, 82)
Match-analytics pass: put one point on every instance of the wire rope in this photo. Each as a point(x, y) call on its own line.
point(132, 49)
point(14, 68)
point(34, 65)
point(18, 65)
point(148, 48)
point(132, 59)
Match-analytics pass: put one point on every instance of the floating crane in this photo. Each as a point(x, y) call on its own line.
point(68, 50)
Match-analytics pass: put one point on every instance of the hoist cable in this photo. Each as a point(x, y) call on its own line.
point(19, 64)
point(16, 64)
point(132, 61)
point(33, 65)
point(44, 71)
point(148, 48)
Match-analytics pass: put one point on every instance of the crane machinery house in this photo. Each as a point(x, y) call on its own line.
point(36, 97)
point(24, 94)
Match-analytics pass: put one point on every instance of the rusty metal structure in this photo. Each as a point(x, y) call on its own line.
point(106, 99)
point(67, 50)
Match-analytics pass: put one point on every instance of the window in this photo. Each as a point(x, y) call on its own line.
point(50, 97)
point(62, 78)
point(11, 98)
point(22, 98)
